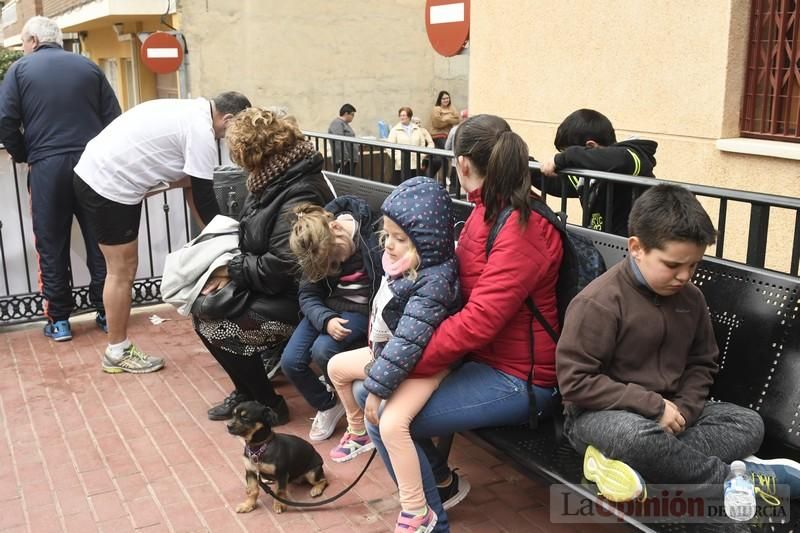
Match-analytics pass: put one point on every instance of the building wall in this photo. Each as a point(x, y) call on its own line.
point(669, 71)
point(25, 10)
point(51, 8)
point(313, 56)
point(101, 44)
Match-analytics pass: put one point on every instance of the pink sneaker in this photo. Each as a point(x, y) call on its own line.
point(350, 446)
point(408, 523)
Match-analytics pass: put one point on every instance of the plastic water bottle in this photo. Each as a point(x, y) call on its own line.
point(740, 498)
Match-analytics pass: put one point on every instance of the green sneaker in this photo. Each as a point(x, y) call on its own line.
point(616, 481)
point(133, 360)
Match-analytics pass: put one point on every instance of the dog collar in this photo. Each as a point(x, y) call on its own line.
point(255, 455)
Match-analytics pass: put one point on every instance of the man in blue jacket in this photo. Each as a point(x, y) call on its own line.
point(52, 103)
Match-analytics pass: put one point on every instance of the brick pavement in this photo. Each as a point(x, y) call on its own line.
point(84, 451)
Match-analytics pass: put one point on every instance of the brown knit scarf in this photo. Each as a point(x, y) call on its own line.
point(277, 164)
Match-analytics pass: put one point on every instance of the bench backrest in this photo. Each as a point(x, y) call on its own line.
point(375, 193)
point(755, 318)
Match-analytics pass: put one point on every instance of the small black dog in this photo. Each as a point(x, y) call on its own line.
point(281, 458)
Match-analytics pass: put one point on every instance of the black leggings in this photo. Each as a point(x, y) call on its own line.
point(247, 374)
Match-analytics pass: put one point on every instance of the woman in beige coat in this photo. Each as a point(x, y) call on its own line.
point(405, 132)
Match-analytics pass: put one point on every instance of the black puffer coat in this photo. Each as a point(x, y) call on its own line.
point(266, 265)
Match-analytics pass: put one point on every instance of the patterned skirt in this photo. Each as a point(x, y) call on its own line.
point(245, 335)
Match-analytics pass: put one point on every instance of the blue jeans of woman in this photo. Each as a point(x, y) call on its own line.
point(307, 345)
point(474, 395)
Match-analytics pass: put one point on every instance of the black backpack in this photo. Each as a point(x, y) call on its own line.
point(580, 264)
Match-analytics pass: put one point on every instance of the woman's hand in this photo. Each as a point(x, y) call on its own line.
point(371, 409)
point(219, 278)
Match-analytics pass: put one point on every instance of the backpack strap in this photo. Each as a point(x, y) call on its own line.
point(544, 210)
point(542, 320)
point(499, 222)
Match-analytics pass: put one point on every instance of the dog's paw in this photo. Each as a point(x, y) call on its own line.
point(278, 507)
point(317, 489)
point(245, 507)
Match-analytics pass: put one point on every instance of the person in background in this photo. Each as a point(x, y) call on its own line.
point(150, 147)
point(587, 140)
point(48, 128)
point(443, 117)
point(344, 153)
point(405, 132)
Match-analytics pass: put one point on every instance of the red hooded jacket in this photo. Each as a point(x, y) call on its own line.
point(492, 328)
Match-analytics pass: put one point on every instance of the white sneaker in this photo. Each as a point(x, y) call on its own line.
point(325, 423)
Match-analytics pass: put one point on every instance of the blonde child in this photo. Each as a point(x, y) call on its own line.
point(339, 255)
point(418, 291)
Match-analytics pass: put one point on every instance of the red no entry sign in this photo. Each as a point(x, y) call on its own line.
point(161, 52)
point(447, 24)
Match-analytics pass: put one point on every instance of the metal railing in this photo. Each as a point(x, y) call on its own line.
point(166, 222)
point(380, 160)
point(718, 201)
point(165, 226)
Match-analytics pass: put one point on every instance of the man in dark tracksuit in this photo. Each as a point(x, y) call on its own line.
point(587, 140)
point(52, 102)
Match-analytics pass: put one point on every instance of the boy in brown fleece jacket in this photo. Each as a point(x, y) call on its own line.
point(637, 357)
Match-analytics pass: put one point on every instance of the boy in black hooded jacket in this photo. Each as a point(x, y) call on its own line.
point(586, 139)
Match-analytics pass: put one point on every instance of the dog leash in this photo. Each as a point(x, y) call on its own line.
point(269, 490)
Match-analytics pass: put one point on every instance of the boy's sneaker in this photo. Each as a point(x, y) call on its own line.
point(615, 480)
point(409, 523)
point(224, 410)
point(767, 474)
point(100, 320)
point(454, 493)
point(133, 360)
point(325, 423)
point(350, 446)
point(59, 330)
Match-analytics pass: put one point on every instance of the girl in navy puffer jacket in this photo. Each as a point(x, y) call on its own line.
point(420, 289)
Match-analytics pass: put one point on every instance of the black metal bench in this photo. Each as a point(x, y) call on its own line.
point(755, 318)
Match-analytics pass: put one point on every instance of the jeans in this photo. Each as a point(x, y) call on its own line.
point(723, 432)
point(474, 395)
point(307, 345)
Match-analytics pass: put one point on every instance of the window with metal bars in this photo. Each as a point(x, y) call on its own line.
point(771, 107)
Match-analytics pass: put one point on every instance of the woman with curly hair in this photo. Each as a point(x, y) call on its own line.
point(284, 170)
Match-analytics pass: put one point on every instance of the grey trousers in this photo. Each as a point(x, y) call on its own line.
point(723, 433)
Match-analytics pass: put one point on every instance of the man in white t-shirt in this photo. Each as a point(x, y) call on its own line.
point(148, 148)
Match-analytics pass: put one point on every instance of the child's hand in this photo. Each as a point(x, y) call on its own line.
point(336, 329)
point(672, 420)
point(549, 167)
point(371, 409)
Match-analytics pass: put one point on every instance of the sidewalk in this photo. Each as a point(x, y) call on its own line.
point(85, 451)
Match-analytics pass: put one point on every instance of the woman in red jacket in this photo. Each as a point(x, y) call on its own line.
point(488, 341)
